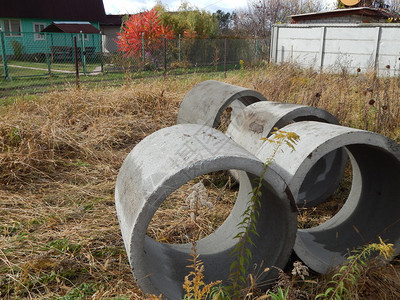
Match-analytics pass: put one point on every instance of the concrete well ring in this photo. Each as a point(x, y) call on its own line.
point(166, 160)
point(372, 209)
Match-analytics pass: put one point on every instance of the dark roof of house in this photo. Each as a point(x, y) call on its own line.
point(71, 27)
point(362, 11)
point(112, 20)
point(73, 10)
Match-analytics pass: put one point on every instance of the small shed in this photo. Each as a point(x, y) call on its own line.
point(65, 52)
point(71, 27)
point(354, 15)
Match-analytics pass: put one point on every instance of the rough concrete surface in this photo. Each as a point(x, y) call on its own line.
point(166, 160)
point(372, 209)
point(257, 120)
point(205, 102)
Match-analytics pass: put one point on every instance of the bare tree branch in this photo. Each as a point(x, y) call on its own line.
point(260, 15)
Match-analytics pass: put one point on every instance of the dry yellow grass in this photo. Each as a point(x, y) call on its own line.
point(174, 221)
point(59, 158)
point(60, 154)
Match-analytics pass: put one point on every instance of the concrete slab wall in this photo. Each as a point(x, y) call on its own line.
point(333, 47)
point(109, 35)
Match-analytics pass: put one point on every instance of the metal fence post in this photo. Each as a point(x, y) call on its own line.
point(179, 48)
point(376, 49)
point(101, 52)
point(4, 54)
point(83, 52)
point(76, 64)
point(322, 48)
point(143, 53)
point(225, 50)
point(165, 56)
point(47, 54)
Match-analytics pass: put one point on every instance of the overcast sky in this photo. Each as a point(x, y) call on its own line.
point(134, 6)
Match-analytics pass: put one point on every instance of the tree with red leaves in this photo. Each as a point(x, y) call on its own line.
point(147, 23)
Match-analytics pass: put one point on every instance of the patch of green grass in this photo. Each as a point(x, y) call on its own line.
point(108, 251)
point(8, 230)
point(63, 245)
point(40, 82)
point(17, 72)
point(23, 86)
point(41, 275)
point(78, 163)
point(9, 100)
point(80, 292)
point(6, 100)
point(67, 66)
point(20, 230)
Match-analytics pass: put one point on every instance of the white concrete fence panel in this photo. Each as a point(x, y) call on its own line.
point(334, 47)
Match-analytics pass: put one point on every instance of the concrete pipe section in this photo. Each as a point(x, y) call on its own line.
point(259, 119)
point(372, 209)
point(166, 160)
point(205, 102)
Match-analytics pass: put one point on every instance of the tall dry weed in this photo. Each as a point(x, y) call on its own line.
point(59, 158)
point(363, 101)
point(41, 138)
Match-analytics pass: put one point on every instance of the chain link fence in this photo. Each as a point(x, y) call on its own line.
point(37, 62)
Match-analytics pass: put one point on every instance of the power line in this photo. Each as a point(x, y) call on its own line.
point(211, 4)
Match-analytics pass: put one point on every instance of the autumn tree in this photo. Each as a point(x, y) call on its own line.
point(145, 26)
point(192, 21)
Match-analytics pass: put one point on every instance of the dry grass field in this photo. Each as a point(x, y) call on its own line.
point(60, 154)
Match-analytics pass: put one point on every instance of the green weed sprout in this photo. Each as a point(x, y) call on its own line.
point(342, 282)
point(248, 225)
